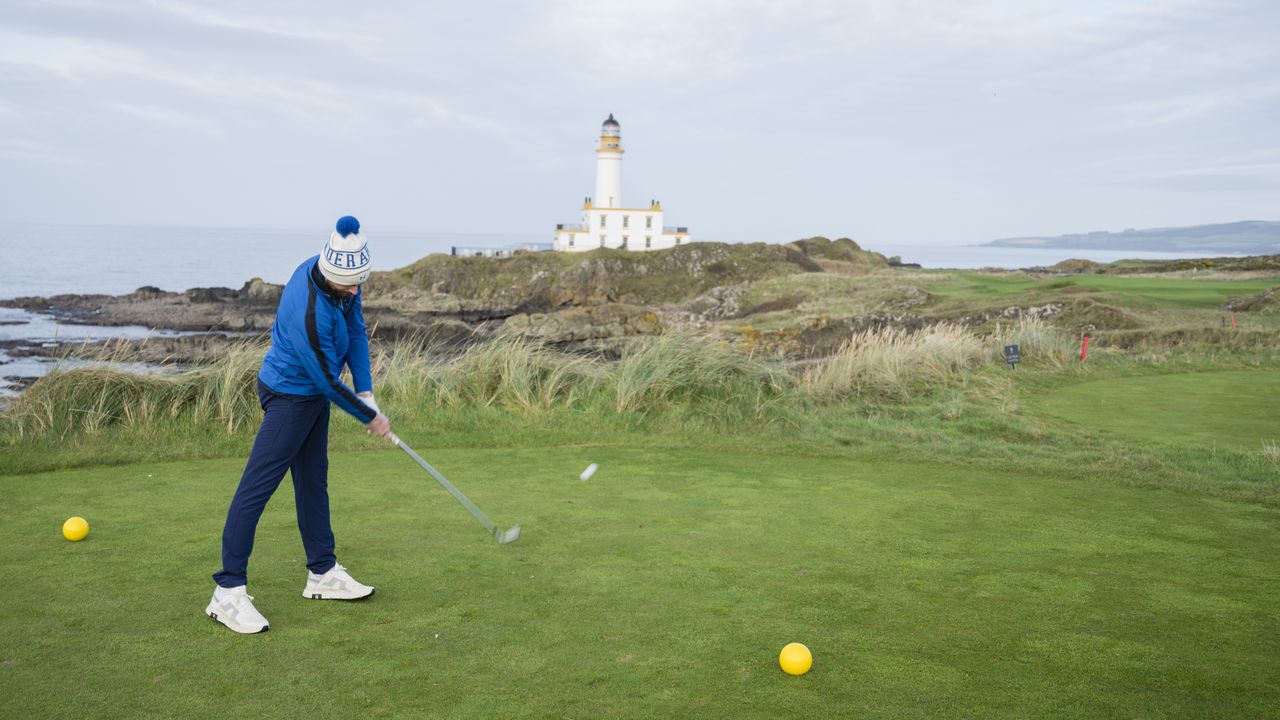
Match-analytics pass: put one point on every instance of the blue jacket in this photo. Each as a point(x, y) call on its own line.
point(316, 332)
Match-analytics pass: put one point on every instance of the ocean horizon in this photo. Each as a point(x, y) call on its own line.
point(118, 259)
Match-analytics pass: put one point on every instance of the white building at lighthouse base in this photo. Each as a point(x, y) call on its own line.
point(621, 229)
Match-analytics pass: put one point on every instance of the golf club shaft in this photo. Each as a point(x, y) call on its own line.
point(457, 494)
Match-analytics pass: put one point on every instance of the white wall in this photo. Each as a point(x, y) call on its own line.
point(609, 223)
point(634, 234)
point(608, 180)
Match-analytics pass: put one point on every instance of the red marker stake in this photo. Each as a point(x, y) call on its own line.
point(1084, 348)
point(1233, 321)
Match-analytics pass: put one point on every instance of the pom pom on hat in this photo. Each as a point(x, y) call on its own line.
point(347, 225)
point(345, 259)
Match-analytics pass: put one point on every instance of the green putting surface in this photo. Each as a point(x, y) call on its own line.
point(1239, 409)
point(1124, 290)
point(663, 587)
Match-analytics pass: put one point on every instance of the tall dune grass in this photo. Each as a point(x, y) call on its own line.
point(894, 364)
point(693, 378)
point(1039, 340)
point(89, 399)
point(516, 373)
point(667, 370)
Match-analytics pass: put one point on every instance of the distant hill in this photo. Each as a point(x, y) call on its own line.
point(1253, 237)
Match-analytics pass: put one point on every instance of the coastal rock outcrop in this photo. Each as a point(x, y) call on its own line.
point(543, 282)
point(250, 309)
point(578, 324)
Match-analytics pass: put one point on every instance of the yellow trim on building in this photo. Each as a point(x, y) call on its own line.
point(639, 210)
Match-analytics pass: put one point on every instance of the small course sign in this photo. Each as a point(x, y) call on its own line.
point(1012, 355)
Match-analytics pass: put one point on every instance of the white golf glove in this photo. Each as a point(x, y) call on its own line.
point(368, 400)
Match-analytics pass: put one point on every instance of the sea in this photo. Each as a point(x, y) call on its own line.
point(115, 259)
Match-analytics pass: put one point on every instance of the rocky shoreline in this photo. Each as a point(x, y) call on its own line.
point(598, 301)
point(213, 319)
point(593, 301)
point(210, 318)
point(252, 308)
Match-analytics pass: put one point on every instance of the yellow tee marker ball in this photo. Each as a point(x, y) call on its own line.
point(75, 529)
point(795, 659)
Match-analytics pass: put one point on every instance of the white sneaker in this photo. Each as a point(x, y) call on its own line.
point(335, 585)
point(234, 608)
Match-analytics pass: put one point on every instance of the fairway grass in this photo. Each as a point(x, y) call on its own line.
point(662, 588)
point(1238, 409)
point(1124, 290)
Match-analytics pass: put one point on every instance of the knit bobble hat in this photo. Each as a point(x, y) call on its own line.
point(345, 260)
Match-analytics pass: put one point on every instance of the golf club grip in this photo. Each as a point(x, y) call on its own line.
point(457, 494)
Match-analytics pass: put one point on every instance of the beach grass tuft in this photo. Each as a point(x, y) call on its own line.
point(894, 364)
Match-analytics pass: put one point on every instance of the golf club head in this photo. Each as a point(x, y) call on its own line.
point(508, 536)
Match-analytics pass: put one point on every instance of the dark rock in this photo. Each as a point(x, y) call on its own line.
point(259, 292)
point(210, 294)
point(720, 303)
point(146, 292)
point(585, 323)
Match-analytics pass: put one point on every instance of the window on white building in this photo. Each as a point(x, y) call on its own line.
point(648, 242)
point(570, 241)
point(601, 241)
point(626, 240)
point(677, 240)
point(602, 220)
point(626, 221)
point(648, 222)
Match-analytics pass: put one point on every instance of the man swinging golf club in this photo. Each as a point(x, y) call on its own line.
point(319, 328)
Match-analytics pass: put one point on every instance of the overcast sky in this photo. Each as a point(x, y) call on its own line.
point(889, 121)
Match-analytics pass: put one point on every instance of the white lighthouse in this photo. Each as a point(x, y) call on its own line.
point(606, 221)
point(609, 165)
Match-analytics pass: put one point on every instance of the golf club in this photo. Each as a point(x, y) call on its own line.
point(502, 536)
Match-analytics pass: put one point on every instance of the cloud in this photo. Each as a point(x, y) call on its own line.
point(1257, 172)
point(22, 149)
point(156, 26)
point(1203, 182)
point(842, 114)
point(290, 29)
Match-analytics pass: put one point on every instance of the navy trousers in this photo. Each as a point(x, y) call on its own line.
point(294, 436)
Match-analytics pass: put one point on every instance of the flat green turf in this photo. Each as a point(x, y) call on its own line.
point(1124, 290)
point(662, 588)
point(1238, 409)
